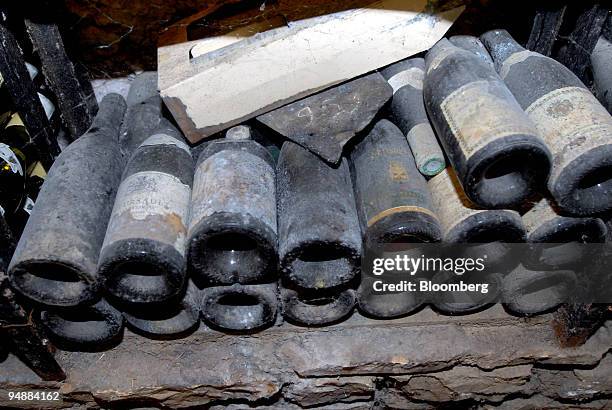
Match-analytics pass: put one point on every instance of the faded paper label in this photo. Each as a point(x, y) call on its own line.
point(412, 77)
point(151, 205)
point(235, 182)
point(571, 121)
point(481, 112)
point(163, 139)
point(537, 216)
point(515, 59)
point(450, 202)
point(400, 209)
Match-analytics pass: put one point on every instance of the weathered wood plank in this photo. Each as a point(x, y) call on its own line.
point(26, 102)
point(24, 337)
point(575, 54)
point(209, 89)
point(76, 100)
point(546, 25)
point(17, 331)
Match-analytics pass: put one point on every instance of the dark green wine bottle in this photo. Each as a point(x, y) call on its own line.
point(13, 164)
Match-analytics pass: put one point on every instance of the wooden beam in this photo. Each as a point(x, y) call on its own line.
point(25, 339)
point(575, 54)
point(76, 100)
point(21, 89)
point(18, 332)
point(546, 25)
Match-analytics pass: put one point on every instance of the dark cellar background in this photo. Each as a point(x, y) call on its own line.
point(113, 38)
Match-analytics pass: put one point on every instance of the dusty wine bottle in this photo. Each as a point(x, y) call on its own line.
point(490, 142)
point(14, 161)
point(527, 292)
point(461, 303)
point(394, 206)
point(473, 44)
point(18, 163)
point(386, 305)
point(393, 201)
point(144, 112)
point(544, 224)
point(567, 234)
point(143, 254)
point(489, 231)
point(408, 112)
point(319, 308)
point(232, 228)
point(463, 222)
point(85, 327)
point(319, 234)
point(240, 308)
point(56, 257)
point(164, 320)
point(601, 61)
point(574, 125)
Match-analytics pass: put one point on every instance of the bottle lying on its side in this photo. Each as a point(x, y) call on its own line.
point(56, 258)
point(496, 150)
point(574, 125)
point(143, 254)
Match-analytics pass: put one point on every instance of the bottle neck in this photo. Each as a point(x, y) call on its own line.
point(438, 52)
point(501, 45)
point(110, 114)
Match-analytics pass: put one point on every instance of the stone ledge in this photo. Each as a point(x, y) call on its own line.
point(424, 359)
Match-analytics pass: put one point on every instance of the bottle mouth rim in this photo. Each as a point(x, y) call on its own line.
point(221, 307)
point(53, 283)
point(302, 310)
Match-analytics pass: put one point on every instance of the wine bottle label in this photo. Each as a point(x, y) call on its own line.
point(151, 205)
point(423, 144)
point(399, 209)
point(412, 77)
point(8, 156)
point(163, 139)
point(571, 121)
point(234, 182)
point(537, 216)
point(450, 201)
point(401, 189)
point(481, 112)
point(515, 59)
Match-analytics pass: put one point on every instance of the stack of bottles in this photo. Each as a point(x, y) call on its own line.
point(485, 144)
point(21, 173)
